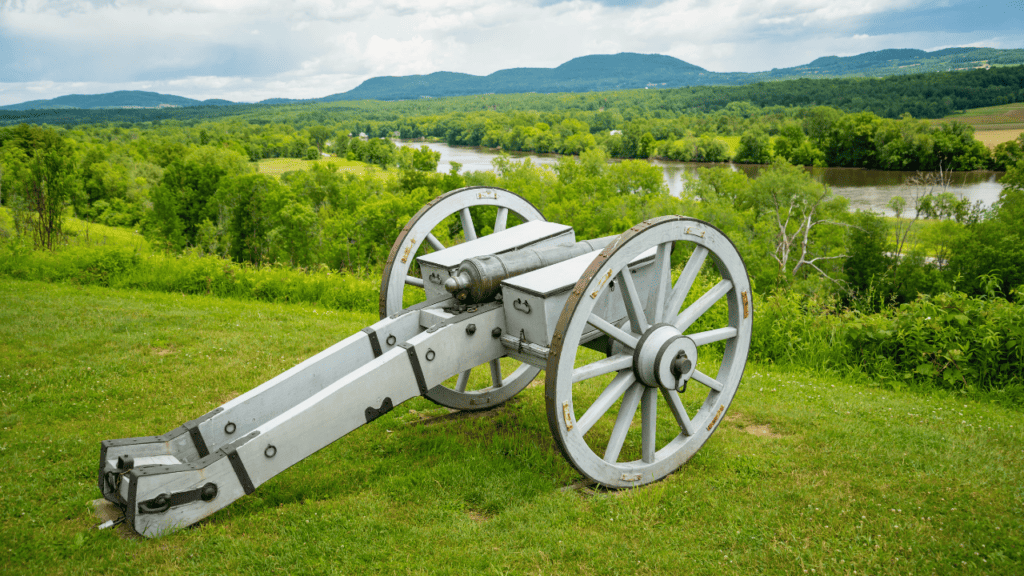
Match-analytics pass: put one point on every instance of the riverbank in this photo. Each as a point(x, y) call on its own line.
point(865, 189)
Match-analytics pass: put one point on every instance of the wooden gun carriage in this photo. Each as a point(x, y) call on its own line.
point(639, 365)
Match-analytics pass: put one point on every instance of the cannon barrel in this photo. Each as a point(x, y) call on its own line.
point(478, 279)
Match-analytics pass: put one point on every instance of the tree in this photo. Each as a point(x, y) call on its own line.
point(754, 147)
point(868, 261)
point(805, 216)
point(248, 201)
point(48, 183)
point(318, 136)
point(425, 160)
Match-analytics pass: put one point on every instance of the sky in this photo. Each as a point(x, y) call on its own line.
point(250, 50)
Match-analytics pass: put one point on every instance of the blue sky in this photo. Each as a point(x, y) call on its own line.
point(252, 50)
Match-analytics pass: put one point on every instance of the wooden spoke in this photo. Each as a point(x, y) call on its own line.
point(467, 224)
point(612, 331)
point(608, 396)
point(685, 281)
point(501, 222)
point(707, 381)
point(622, 423)
point(630, 297)
point(424, 233)
point(460, 384)
point(709, 336)
point(434, 242)
point(648, 424)
point(603, 366)
point(702, 305)
point(675, 406)
point(603, 417)
point(495, 373)
point(663, 274)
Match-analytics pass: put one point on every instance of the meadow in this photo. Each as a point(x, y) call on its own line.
point(823, 472)
point(278, 166)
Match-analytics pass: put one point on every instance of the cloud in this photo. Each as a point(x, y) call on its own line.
point(253, 49)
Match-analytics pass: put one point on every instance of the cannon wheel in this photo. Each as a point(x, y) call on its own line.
point(592, 401)
point(419, 231)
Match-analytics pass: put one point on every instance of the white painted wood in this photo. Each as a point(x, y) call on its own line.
point(438, 267)
point(259, 405)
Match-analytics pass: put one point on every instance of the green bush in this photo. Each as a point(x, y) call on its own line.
point(949, 341)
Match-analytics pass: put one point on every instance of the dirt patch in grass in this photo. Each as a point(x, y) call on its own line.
point(744, 423)
point(478, 517)
point(162, 351)
point(106, 511)
point(761, 430)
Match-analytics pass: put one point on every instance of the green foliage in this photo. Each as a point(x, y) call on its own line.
point(993, 248)
point(38, 175)
point(754, 148)
point(949, 341)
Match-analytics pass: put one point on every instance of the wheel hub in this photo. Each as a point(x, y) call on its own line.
point(664, 358)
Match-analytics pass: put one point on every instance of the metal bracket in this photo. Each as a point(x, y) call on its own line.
point(374, 413)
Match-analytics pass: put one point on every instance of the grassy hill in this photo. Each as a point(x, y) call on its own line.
point(816, 472)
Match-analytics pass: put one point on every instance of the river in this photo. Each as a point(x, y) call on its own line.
point(866, 189)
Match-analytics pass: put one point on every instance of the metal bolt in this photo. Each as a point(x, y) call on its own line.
point(496, 333)
point(209, 492)
point(471, 329)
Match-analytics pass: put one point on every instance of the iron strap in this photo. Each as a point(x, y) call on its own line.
point(417, 371)
point(164, 502)
point(239, 467)
point(197, 439)
point(374, 341)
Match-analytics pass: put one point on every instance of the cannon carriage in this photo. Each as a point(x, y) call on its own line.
point(641, 358)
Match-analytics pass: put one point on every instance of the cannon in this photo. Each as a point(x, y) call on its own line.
point(641, 357)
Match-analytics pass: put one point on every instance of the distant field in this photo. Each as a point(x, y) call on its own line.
point(278, 166)
point(993, 125)
point(992, 138)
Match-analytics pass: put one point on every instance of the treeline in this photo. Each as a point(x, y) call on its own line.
point(932, 95)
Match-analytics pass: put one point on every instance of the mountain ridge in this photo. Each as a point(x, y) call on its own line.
point(591, 73)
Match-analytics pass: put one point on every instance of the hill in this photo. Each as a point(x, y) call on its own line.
point(119, 99)
point(593, 73)
point(626, 71)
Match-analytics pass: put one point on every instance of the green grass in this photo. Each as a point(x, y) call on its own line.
point(811, 472)
point(278, 166)
point(82, 233)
